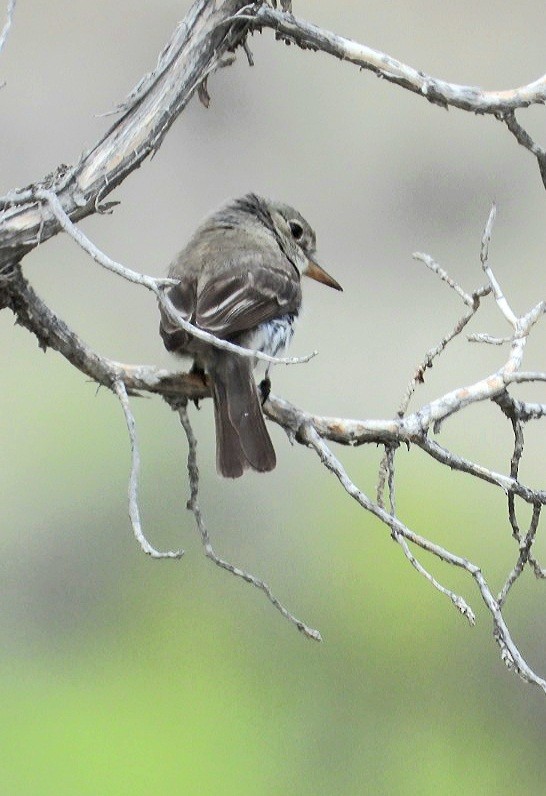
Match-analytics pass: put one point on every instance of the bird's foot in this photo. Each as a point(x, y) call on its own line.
point(197, 370)
point(265, 389)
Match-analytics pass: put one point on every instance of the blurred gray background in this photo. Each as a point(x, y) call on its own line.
point(402, 695)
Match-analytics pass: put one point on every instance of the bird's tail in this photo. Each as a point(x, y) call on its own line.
point(242, 439)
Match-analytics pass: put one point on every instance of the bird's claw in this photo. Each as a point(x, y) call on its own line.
point(265, 389)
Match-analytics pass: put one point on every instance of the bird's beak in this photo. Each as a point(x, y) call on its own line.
point(319, 274)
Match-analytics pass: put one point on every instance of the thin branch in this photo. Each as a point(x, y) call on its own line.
point(431, 355)
point(439, 92)
point(501, 104)
point(524, 377)
point(484, 257)
point(197, 48)
point(459, 602)
point(463, 465)
point(382, 478)
point(522, 411)
point(310, 437)
point(524, 139)
point(521, 135)
point(406, 430)
point(509, 651)
point(7, 25)
point(472, 301)
point(194, 507)
point(178, 319)
point(519, 413)
point(524, 555)
point(134, 513)
point(517, 426)
point(431, 263)
point(462, 606)
point(51, 198)
point(487, 338)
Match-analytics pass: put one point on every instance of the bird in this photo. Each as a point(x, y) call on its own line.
point(239, 278)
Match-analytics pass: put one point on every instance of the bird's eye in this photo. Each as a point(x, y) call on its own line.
point(296, 229)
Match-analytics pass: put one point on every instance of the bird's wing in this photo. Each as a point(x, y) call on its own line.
point(235, 302)
point(183, 299)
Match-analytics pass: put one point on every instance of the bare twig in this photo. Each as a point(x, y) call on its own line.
point(509, 651)
point(524, 139)
point(461, 604)
point(524, 377)
point(194, 507)
point(178, 319)
point(471, 300)
point(7, 25)
point(382, 478)
point(134, 513)
point(431, 355)
point(196, 49)
point(524, 555)
point(463, 465)
point(51, 198)
point(430, 263)
point(501, 104)
point(521, 135)
point(517, 426)
point(520, 413)
point(439, 92)
point(484, 257)
point(487, 338)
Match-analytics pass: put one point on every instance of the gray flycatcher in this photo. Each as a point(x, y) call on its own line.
point(240, 279)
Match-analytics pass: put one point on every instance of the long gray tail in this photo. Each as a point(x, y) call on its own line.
point(242, 439)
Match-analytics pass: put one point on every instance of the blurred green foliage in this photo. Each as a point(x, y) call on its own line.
point(158, 678)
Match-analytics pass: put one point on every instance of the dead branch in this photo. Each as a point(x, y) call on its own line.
point(195, 508)
point(439, 92)
point(501, 104)
point(7, 25)
point(195, 50)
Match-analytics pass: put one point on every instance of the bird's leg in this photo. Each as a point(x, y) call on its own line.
point(197, 370)
point(265, 387)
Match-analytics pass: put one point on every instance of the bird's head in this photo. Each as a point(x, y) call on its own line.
point(299, 238)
